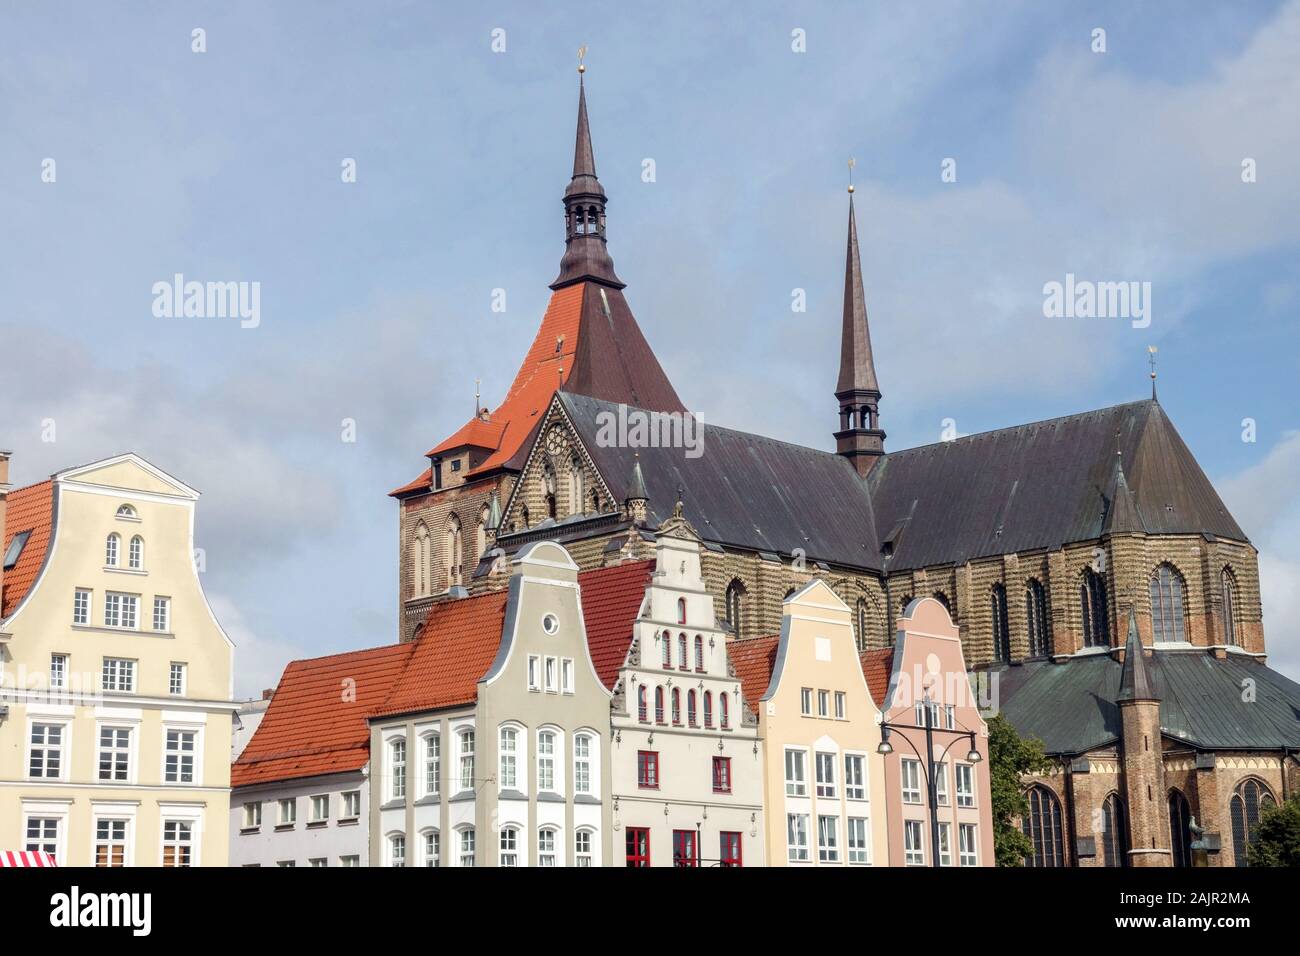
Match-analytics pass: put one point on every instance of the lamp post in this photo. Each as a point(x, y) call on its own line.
point(929, 765)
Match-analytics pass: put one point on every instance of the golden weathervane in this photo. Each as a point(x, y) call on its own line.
point(582, 52)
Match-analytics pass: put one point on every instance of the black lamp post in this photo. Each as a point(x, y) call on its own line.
point(929, 765)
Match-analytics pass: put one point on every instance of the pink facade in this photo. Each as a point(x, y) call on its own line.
point(928, 663)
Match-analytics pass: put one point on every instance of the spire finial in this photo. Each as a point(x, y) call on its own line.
point(1151, 358)
point(582, 53)
point(852, 162)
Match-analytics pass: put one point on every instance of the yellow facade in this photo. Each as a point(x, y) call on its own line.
point(810, 813)
point(116, 740)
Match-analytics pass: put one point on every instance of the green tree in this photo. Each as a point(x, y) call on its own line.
point(1010, 758)
point(1277, 839)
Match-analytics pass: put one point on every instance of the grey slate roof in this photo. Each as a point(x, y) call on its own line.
point(1043, 485)
point(1072, 706)
point(745, 490)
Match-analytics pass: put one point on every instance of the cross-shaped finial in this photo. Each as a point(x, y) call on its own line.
point(1151, 358)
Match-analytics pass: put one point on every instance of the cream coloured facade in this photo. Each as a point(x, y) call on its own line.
point(115, 714)
point(687, 758)
point(825, 788)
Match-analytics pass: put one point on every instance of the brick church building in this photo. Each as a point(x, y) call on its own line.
point(1107, 599)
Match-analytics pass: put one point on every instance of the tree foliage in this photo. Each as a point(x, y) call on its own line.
point(1277, 839)
point(1010, 758)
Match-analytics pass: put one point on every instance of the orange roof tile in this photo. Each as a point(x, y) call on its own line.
point(611, 601)
point(28, 509)
point(753, 660)
point(877, 665)
point(547, 365)
point(454, 650)
point(313, 726)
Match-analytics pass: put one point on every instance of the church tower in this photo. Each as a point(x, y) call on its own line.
point(1143, 755)
point(859, 438)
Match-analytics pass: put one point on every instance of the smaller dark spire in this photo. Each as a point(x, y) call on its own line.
point(636, 490)
point(859, 437)
point(1123, 516)
point(494, 513)
point(1135, 677)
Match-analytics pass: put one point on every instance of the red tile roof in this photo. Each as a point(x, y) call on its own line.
point(877, 665)
point(456, 646)
point(28, 509)
point(547, 365)
point(611, 602)
point(312, 726)
point(753, 660)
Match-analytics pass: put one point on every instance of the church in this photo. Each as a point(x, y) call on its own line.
point(1105, 597)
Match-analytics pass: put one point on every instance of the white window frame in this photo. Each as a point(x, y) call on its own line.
point(128, 834)
point(551, 674)
point(396, 758)
point(796, 826)
point(431, 760)
point(913, 843)
point(591, 761)
point(433, 859)
point(177, 688)
point(182, 813)
point(64, 747)
point(799, 783)
point(965, 794)
point(828, 852)
point(162, 613)
point(823, 703)
point(112, 550)
point(252, 819)
point(183, 724)
point(857, 855)
point(856, 784)
point(805, 701)
point(130, 751)
point(911, 787)
point(54, 809)
point(462, 851)
point(286, 812)
point(945, 843)
point(121, 669)
point(58, 671)
point(395, 849)
point(941, 783)
point(508, 840)
point(556, 850)
point(82, 599)
point(508, 758)
point(841, 705)
point(968, 856)
point(824, 762)
point(122, 610)
point(566, 675)
point(316, 815)
point(463, 785)
point(556, 758)
point(534, 672)
point(587, 857)
point(351, 796)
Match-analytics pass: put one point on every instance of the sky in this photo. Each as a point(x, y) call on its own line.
point(1122, 164)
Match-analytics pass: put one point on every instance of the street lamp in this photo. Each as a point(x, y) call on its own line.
point(929, 766)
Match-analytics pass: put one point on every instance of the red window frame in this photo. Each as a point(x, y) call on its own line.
point(683, 663)
point(659, 705)
point(730, 848)
point(708, 708)
point(722, 775)
point(647, 769)
point(637, 846)
point(668, 650)
point(722, 710)
point(677, 705)
point(642, 707)
point(699, 654)
point(686, 848)
point(690, 708)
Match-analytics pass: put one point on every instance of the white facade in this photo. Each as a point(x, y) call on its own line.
point(687, 772)
point(317, 821)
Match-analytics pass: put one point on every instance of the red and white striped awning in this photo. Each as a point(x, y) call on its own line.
point(25, 858)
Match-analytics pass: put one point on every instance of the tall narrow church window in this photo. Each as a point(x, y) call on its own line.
point(943, 599)
point(1036, 617)
point(1251, 797)
point(1001, 632)
point(1042, 824)
point(548, 486)
point(1228, 586)
point(480, 533)
point(735, 605)
point(452, 547)
point(1096, 618)
point(1114, 832)
point(577, 497)
point(860, 622)
point(1180, 829)
point(1168, 599)
point(420, 553)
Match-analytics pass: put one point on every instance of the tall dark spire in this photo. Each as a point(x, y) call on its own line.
point(585, 254)
point(1135, 678)
point(859, 438)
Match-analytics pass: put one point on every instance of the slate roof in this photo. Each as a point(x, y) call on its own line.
point(28, 509)
point(1042, 485)
point(744, 490)
point(1072, 706)
point(310, 728)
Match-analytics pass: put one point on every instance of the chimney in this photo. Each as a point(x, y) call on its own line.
point(268, 693)
point(4, 494)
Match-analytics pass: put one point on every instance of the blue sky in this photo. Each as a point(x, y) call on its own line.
point(225, 165)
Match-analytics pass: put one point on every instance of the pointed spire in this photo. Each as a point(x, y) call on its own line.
point(494, 513)
point(1123, 516)
point(857, 367)
point(859, 437)
point(1135, 677)
point(636, 489)
point(585, 255)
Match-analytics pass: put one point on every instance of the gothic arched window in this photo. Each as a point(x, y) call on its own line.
point(659, 705)
point(667, 640)
point(1001, 631)
point(1180, 828)
point(1042, 824)
point(576, 494)
point(699, 653)
point(943, 599)
point(1250, 798)
point(1096, 619)
point(723, 714)
point(677, 705)
point(1228, 589)
point(1036, 617)
point(681, 610)
point(453, 550)
point(682, 661)
point(1168, 600)
point(641, 709)
point(690, 707)
point(735, 605)
point(548, 486)
point(860, 622)
point(480, 533)
point(1114, 832)
point(421, 552)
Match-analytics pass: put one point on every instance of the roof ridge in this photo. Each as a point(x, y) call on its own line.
point(354, 653)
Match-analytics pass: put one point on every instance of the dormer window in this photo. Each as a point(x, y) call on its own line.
point(127, 513)
point(16, 548)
